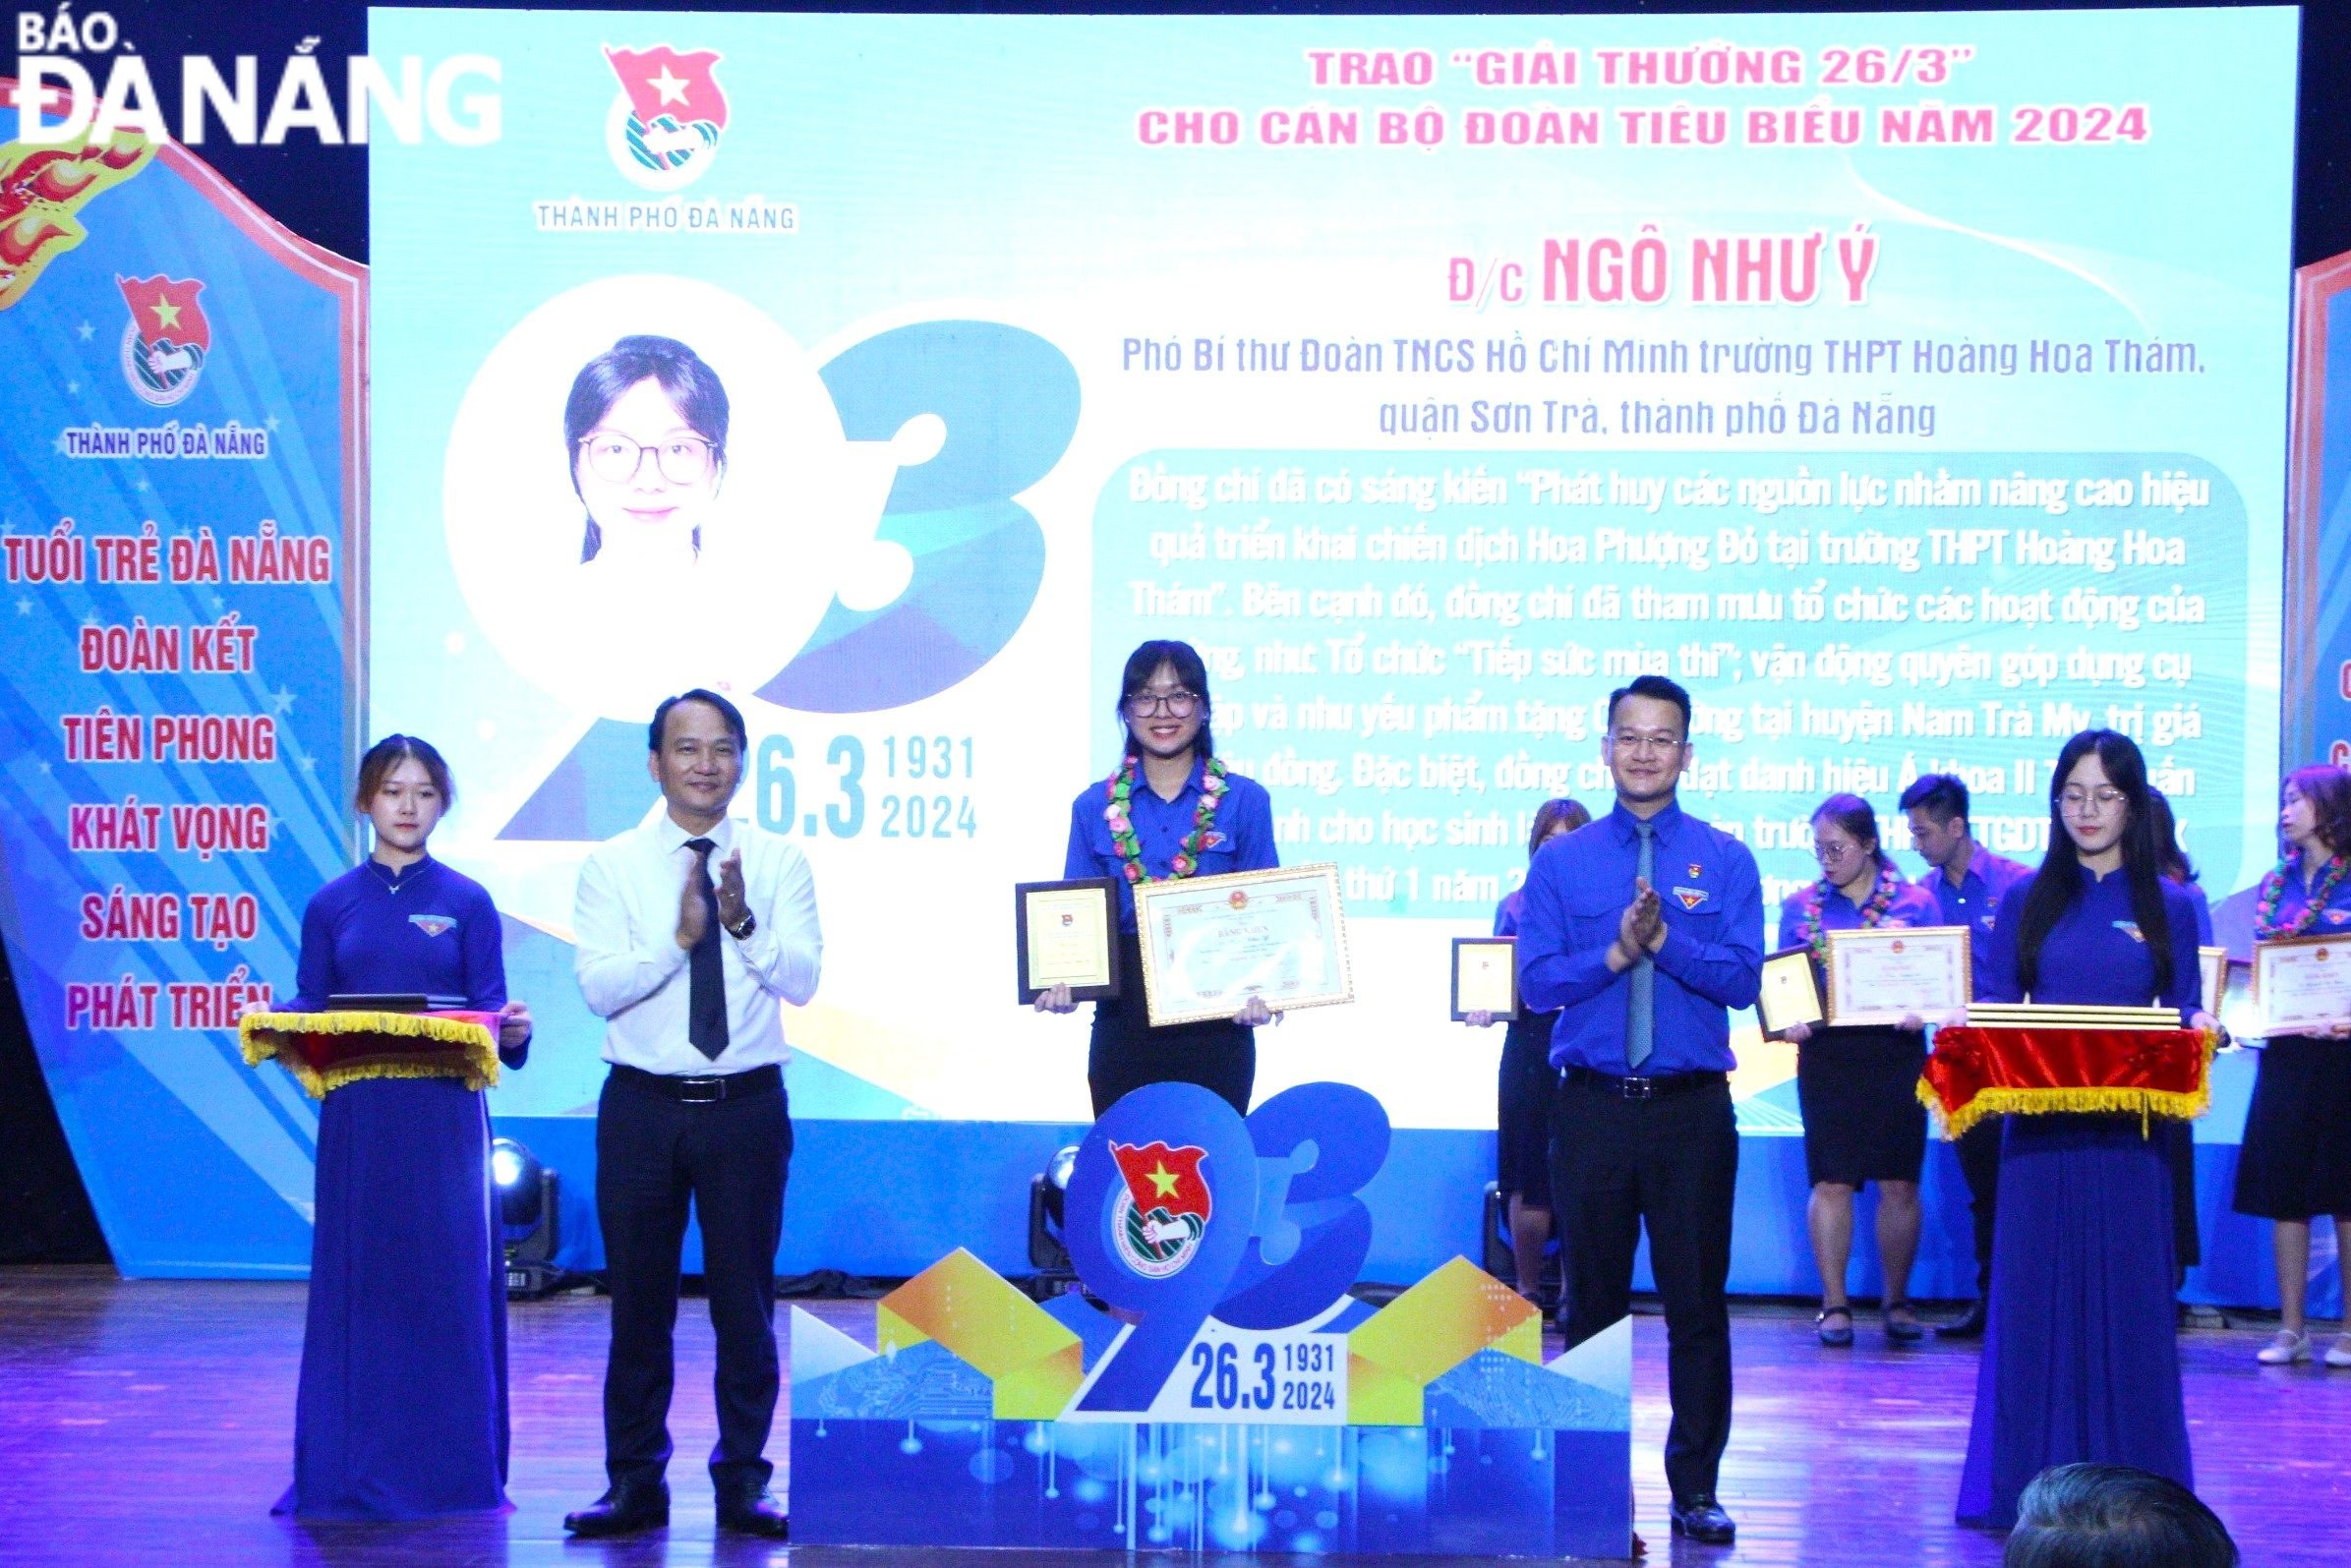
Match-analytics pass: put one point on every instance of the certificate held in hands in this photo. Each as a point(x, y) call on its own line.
point(1067, 935)
point(2302, 985)
point(1211, 943)
point(1485, 976)
point(1882, 975)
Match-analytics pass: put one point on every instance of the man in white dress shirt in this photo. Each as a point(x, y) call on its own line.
point(692, 928)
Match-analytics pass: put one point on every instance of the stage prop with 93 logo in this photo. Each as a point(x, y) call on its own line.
point(1234, 1396)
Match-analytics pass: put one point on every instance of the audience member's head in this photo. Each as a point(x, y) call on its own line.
point(2112, 1516)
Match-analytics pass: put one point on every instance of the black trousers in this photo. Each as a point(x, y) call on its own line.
point(1670, 1162)
point(1980, 1161)
point(729, 1158)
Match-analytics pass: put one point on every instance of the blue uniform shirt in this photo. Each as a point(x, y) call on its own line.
point(1241, 839)
point(2095, 954)
point(1712, 959)
point(1910, 907)
point(1975, 902)
point(425, 930)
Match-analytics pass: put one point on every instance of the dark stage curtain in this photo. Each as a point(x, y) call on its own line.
point(45, 1214)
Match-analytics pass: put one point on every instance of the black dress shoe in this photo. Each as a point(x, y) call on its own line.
point(1702, 1519)
point(1968, 1327)
point(623, 1510)
point(754, 1512)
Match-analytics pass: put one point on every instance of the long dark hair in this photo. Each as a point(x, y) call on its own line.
point(2327, 789)
point(1858, 818)
point(2058, 883)
point(692, 388)
point(2169, 855)
point(1557, 815)
point(1144, 663)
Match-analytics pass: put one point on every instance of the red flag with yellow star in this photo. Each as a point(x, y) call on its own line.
point(166, 309)
point(677, 82)
point(1161, 1177)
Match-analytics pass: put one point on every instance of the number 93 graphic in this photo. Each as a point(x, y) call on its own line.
point(1179, 1210)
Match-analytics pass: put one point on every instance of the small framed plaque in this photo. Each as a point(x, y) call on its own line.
point(1882, 975)
point(1211, 943)
point(1066, 933)
point(2212, 966)
point(1485, 976)
point(2302, 985)
point(1788, 996)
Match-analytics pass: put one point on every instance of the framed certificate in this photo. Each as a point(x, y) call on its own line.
point(2212, 964)
point(1211, 943)
point(1789, 997)
point(1485, 976)
point(1879, 974)
point(2302, 984)
point(1066, 933)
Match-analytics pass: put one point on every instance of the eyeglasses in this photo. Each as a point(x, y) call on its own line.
point(2091, 804)
point(1177, 704)
point(1626, 740)
point(1825, 852)
point(617, 460)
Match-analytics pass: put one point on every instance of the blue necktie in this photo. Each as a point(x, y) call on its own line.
point(1640, 1021)
point(706, 970)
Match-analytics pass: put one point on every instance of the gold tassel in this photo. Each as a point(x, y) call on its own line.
point(265, 1037)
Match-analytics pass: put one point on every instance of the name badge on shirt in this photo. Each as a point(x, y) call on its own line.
point(432, 925)
point(2337, 916)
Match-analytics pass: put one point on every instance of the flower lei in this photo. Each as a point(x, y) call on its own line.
point(1122, 823)
point(2274, 886)
point(1881, 899)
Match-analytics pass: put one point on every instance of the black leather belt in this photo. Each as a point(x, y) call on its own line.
point(767, 1080)
point(1643, 1088)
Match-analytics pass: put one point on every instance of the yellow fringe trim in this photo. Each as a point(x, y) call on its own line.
point(2143, 1102)
point(268, 1036)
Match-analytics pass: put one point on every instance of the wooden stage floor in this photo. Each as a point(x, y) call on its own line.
point(151, 1423)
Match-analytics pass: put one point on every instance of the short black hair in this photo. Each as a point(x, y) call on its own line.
point(727, 711)
point(1943, 795)
point(1659, 688)
point(2115, 1516)
point(1190, 668)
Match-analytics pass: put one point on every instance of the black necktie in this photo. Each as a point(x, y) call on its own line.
point(706, 990)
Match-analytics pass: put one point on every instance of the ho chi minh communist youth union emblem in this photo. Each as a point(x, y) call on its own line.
point(663, 126)
point(1158, 1216)
point(167, 340)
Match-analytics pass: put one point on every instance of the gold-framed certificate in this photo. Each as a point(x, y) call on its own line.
point(1211, 943)
point(1485, 976)
point(2302, 984)
point(1788, 996)
point(1066, 933)
point(2212, 964)
point(1881, 974)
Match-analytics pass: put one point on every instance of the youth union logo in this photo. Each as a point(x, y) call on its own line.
point(167, 340)
point(1156, 1221)
point(663, 126)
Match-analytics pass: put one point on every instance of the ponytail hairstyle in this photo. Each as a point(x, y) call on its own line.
point(1858, 818)
point(1557, 815)
point(2327, 789)
point(2058, 882)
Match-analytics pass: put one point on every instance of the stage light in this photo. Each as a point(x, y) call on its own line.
point(527, 1218)
point(1048, 1256)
